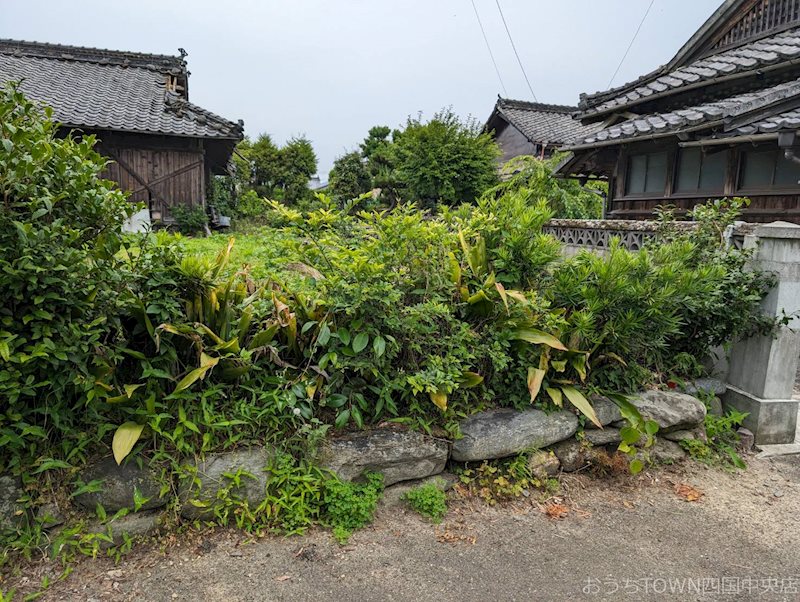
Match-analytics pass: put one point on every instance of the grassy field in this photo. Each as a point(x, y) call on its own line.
point(263, 253)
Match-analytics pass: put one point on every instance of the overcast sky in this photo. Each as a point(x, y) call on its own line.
point(331, 69)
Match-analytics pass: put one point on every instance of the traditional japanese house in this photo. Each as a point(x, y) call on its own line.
point(533, 128)
point(163, 148)
point(720, 119)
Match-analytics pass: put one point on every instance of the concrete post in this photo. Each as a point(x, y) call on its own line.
point(762, 369)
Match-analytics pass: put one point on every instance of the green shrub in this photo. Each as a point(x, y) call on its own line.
point(445, 160)
point(350, 506)
point(189, 220)
point(428, 500)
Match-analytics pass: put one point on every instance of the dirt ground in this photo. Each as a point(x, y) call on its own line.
point(627, 538)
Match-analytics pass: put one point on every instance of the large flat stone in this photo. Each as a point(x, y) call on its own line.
point(398, 455)
point(119, 484)
point(133, 526)
point(505, 432)
point(713, 386)
point(672, 411)
point(12, 513)
point(199, 495)
point(607, 411)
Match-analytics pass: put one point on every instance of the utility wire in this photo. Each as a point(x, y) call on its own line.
point(489, 48)
point(510, 39)
point(624, 56)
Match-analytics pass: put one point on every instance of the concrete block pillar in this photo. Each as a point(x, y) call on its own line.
point(762, 369)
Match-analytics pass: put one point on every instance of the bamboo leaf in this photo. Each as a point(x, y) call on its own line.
point(206, 364)
point(125, 438)
point(555, 395)
point(502, 291)
point(537, 337)
point(579, 401)
point(535, 379)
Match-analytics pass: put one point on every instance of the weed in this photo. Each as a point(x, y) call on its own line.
point(350, 506)
point(428, 500)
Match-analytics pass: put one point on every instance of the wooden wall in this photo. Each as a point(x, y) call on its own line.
point(159, 177)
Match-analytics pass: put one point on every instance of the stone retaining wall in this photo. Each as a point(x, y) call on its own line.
point(401, 456)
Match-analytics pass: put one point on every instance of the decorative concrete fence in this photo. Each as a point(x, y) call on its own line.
point(596, 234)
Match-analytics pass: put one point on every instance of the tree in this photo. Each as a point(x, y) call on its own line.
point(565, 197)
point(349, 177)
point(445, 160)
point(298, 162)
point(273, 172)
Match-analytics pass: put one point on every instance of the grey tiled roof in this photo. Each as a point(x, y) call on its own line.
point(708, 114)
point(109, 90)
point(748, 57)
point(543, 123)
point(789, 120)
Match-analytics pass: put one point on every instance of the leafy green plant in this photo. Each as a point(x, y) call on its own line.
point(428, 500)
point(350, 506)
point(719, 446)
point(189, 220)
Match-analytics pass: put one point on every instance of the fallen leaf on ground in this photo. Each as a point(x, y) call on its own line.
point(687, 492)
point(556, 511)
point(282, 578)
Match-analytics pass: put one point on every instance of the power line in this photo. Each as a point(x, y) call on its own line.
point(510, 39)
point(624, 56)
point(489, 48)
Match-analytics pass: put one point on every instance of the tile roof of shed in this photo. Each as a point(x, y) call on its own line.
point(710, 113)
point(109, 90)
point(748, 57)
point(543, 123)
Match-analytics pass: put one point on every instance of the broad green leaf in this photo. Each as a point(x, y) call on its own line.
point(379, 346)
point(360, 342)
point(206, 363)
point(559, 365)
point(578, 361)
point(439, 399)
point(630, 435)
point(555, 395)
point(537, 337)
point(535, 379)
point(636, 466)
point(579, 401)
point(324, 335)
point(344, 335)
point(470, 379)
point(124, 439)
point(131, 389)
point(342, 418)
point(264, 337)
point(651, 427)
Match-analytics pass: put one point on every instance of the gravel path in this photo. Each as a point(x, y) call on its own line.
point(623, 538)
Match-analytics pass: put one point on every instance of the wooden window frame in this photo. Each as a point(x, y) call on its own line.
point(771, 190)
point(723, 191)
point(668, 176)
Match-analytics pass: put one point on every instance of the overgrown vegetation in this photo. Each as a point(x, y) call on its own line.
point(160, 348)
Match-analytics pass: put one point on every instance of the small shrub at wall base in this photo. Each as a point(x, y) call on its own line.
point(350, 506)
point(189, 220)
point(428, 500)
